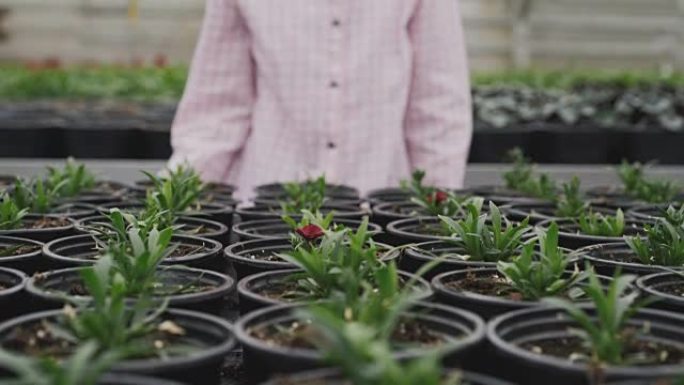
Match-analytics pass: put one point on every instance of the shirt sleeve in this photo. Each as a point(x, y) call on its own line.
point(214, 116)
point(439, 117)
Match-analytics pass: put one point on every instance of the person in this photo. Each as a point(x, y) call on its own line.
point(361, 91)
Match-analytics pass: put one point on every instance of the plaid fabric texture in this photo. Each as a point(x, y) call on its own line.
point(362, 91)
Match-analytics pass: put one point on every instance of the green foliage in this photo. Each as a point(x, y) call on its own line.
point(521, 177)
point(138, 265)
point(72, 179)
point(674, 216)
point(579, 78)
point(571, 204)
point(36, 196)
point(488, 237)
point(84, 367)
point(365, 359)
point(545, 276)
point(308, 195)
point(10, 214)
point(601, 225)
point(637, 186)
point(341, 262)
point(664, 242)
point(173, 194)
point(598, 106)
point(134, 248)
point(606, 334)
point(140, 84)
point(325, 222)
point(431, 199)
point(106, 318)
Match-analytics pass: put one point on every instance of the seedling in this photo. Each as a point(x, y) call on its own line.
point(663, 245)
point(570, 204)
point(487, 237)
point(10, 215)
point(307, 195)
point(311, 227)
point(113, 322)
point(598, 224)
point(431, 199)
point(636, 184)
point(674, 216)
point(173, 195)
point(544, 274)
point(121, 224)
point(521, 177)
point(36, 196)
point(606, 335)
point(72, 180)
point(84, 367)
point(138, 264)
point(340, 261)
point(365, 359)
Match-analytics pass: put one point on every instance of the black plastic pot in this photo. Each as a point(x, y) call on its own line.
point(74, 210)
point(606, 258)
point(414, 230)
point(417, 256)
point(332, 377)
point(569, 236)
point(263, 359)
point(41, 234)
point(387, 212)
point(650, 212)
point(201, 367)
point(126, 379)
point(507, 332)
point(276, 204)
point(80, 250)
point(251, 299)
point(486, 306)
point(277, 190)
point(613, 196)
point(29, 261)
point(261, 213)
point(218, 212)
point(12, 296)
point(276, 228)
point(389, 194)
point(48, 290)
point(186, 225)
point(502, 195)
point(104, 192)
point(246, 258)
point(655, 286)
point(539, 212)
point(213, 192)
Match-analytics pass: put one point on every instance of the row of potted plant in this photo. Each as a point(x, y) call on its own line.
point(342, 267)
point(141, 291)
point(283, 338)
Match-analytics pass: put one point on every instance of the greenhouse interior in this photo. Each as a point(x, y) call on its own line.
point(357, 192)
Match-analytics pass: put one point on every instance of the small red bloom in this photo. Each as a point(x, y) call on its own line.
point(438, 197)
point(310, 232)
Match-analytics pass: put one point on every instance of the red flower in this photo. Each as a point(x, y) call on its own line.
point(310, 232)
point(438, 197)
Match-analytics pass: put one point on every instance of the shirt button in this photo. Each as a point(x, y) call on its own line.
point(336, 23)
point(334, 84)
point(331, 145)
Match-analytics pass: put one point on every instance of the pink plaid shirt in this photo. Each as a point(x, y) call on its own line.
point(362, 91)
